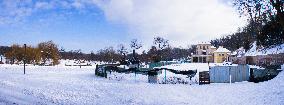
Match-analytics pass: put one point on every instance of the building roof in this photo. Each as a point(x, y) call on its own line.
point(222, 49)
point(204, 43)
point(213, 47)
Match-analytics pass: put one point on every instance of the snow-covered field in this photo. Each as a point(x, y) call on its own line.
point(74, 85)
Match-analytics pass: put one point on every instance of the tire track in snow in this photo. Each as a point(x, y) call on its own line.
point(12, 95)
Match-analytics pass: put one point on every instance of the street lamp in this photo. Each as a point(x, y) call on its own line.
point(25, 58)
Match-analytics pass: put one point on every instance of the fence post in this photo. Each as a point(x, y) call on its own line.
point(96, 70)
point(165, 76)
point(230, 74)
point(105, 73)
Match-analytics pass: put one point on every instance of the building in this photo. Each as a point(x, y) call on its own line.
point(266, 60)
point(260, 60)
point(221, 54)
point(204, 53)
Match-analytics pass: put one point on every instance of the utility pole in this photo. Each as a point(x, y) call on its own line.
point(25, 58)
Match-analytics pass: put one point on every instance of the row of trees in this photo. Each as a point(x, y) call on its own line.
point(160, 50)
point(266, 25)
point(48, 53)
point(41, 54)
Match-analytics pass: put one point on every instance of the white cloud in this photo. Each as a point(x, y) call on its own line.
point(43, 5)
point(16, 11)
point(183, 22)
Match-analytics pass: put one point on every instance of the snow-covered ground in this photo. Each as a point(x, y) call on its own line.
point(74, 85)
point(68, 62)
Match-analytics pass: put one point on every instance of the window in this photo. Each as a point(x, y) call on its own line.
point(195, 59)
point(204, 60)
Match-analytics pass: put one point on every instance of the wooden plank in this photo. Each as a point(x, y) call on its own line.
point(204, 78)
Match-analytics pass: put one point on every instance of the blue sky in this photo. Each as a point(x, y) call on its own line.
point(90, 25)
point(72, 28)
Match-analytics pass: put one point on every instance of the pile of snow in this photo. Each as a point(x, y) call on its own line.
point(75, 62)
point(123, 66)
point(254, 51)
point(167, 77)
point(256, 67)
point(130, 77)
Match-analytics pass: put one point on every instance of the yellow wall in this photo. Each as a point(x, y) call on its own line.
point(220, 57)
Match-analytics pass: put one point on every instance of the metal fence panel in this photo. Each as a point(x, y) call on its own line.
point(221, 74)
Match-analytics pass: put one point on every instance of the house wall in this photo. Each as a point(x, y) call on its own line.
point(201, 47)
point(212, 50)
point(239, 60)
point(220, 57)
point(210, 59)
point(277, 59)
point(201, 58)
point(261, 60)
point(251, 60)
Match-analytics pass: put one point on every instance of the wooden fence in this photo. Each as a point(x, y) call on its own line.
point(204, 78)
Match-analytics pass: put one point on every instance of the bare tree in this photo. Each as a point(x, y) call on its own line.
point(135, 45)
point(122, 50)
point(161, 43)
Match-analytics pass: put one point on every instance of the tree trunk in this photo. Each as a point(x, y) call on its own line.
point(134, 54)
